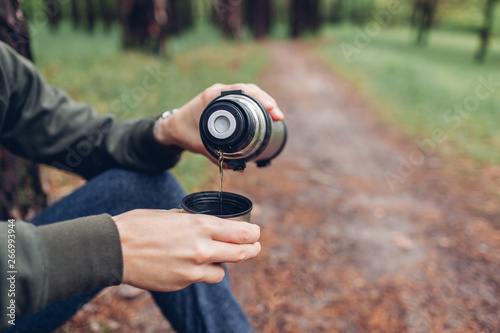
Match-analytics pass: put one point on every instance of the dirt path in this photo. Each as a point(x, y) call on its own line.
point(342, 252)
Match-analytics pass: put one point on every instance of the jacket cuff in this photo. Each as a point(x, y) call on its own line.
point(25, 274)
point(156, 153)
point(83, 254)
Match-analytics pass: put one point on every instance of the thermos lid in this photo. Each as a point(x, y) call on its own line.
point(225, 125)
point(221, 124)
point(240, 126)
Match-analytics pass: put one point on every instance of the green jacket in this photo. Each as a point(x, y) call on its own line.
point(42, 123)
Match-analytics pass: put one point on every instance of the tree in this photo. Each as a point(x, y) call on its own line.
point(75, 14)
point(336, 15)
point(313, 18)
point(180, 16)
point(228, 14)
point(21, 194)
point(258, 17)
point(423, 16)
point(485, 30)
point(90, 15)
point(304, 16)
point(145, 24)
point(54, 15)
point(106, 14)
point(184, 14)
point(360, 11)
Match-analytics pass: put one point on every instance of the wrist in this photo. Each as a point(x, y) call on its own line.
point(163, 128)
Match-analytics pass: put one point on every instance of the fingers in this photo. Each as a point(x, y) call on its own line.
point(217, 252)
point(253, 90)
point(267, 101)
point(276, 114)
point(226, 252)
point(211, 158)
point(213, 273)
point(229, 241)
point(234, 232)
point(176, 210)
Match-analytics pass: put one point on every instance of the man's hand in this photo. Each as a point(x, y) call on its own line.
point(169, 250)
point(182, 128)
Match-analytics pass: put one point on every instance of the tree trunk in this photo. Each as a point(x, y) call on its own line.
point(173, 13)
point(106, 14)
point(312, 16)
point(180, 16)
point(145, 24)
point(90, 15)
point(75, 15)
point(229, 15)
point(54, 14)
point(258, 16)
point(485, 31)
point(21, 194)
point(423, 15)
point(336, 15)
point(304, 15)
point(297, 11)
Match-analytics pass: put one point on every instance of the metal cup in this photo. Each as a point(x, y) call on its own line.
point(233, 206)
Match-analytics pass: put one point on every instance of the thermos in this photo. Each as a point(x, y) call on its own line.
point(239, 126)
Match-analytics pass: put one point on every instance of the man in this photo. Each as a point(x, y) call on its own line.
point(123, 225)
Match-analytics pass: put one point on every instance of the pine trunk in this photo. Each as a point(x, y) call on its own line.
point(54, 14)
point(90, 15)
point(21, 195)
point(336, 15)
point(304, 17)
point(145, 24)
point(423, 15)
point(180, 16)
point(485, 31)
point(258, 14)
point(106, 13)
point(229, 15)
point(297, 11)
point(75, 15)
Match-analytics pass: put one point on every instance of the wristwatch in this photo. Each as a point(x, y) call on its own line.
point(164, 115)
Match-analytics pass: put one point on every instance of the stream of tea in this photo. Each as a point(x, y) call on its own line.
point(221, 172)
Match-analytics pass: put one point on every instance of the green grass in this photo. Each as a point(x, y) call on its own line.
point(94, 69)
point(418, 86)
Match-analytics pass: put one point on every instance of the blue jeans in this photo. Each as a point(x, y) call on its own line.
point(198, 308)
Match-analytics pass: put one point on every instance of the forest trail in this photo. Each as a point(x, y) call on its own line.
point(343, 249)
point(348, 246)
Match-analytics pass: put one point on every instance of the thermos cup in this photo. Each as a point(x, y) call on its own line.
point(230, 206)
point(239, 126)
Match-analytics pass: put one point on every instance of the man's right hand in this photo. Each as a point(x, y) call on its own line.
point(169, 250)
point(182, 128)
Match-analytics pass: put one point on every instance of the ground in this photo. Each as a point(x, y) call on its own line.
point(354, 240)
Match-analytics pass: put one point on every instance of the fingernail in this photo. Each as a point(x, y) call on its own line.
point(279, 113)
point(268, 103)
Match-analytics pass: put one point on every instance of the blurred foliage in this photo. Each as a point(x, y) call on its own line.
point(419, 86)
point(466, 15)
point(94, 69)
point(416, 85)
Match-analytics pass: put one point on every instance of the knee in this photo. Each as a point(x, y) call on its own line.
point(140, 190)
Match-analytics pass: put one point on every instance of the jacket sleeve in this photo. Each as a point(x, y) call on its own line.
point(40, 265)
point(42, 123)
